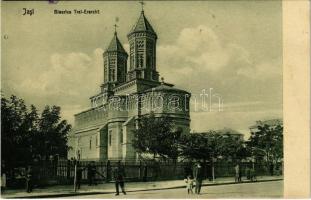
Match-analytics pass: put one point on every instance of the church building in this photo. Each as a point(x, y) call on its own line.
point(105, 131)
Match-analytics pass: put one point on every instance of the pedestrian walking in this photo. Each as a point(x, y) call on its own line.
point(91, 171)
point(119, 175)
point(3, 177)
point(189, 184)
point(253, 175)
point(79, 176)
point(198, 177)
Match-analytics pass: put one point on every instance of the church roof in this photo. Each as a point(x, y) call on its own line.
point(115, 45)
point(142, 25)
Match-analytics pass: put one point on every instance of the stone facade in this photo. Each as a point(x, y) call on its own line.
point(105, 131)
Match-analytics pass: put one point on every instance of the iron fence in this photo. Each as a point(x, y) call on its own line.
point(62, 171)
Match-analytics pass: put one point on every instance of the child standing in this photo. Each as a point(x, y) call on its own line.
point(189, 184)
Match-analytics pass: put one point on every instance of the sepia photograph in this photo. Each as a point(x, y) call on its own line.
point(142, 99)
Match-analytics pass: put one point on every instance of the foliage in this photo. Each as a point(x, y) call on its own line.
point(267, 142)
point(157, 136)
point(199, 146)
point(232, 145)
point(25, 134)
point(212, 145)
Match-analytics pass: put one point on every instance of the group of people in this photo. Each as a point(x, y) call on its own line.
point(91, 172)
point(194, 180)
point(249, 172)
point(118, 173)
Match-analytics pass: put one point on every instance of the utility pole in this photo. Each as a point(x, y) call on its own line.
point(213, 169)
point(75, 177)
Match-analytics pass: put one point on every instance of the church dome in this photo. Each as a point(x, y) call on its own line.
point(165, 87)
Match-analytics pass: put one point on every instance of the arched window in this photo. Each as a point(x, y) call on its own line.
point(140, 60)
point(105, 71)
point(96, 140)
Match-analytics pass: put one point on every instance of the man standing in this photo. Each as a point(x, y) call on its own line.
point(91, 171)
point(29, 179)
point(119, 174)
point(198, 176)
point(79, 176)
point(89, 174)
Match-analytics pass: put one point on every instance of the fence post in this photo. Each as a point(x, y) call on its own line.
point(108, 171)
point(145, 173)
point(102, 169)
point(140, 170)
point(68, 169)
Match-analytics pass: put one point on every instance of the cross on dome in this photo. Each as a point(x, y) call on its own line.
point(142, 5)
point(115, 28)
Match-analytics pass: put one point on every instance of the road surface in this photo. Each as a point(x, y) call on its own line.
point(272, 189)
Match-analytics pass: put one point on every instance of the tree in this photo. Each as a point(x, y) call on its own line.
point(52, 133)
point(16, 128)
point(212, 145)
point(25, 134)
point(232, 145)
point(267, 142)
point(200, 146)
point(157, 136)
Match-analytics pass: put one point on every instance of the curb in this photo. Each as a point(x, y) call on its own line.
point(139, 190)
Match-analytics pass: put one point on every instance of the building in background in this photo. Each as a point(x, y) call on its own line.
point(104, 132)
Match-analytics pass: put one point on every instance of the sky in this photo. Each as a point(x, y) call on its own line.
point(233, 47)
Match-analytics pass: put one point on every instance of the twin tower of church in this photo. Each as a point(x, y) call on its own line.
point(142, 40)
point(105, 130)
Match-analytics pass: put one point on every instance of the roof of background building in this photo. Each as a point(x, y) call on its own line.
point(271, 122)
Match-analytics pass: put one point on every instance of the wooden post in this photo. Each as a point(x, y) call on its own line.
point(140, 170)
point(213, 170)
point(75, 177)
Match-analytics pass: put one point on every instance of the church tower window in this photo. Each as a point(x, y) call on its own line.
point(140, 61)
point(121, 136)
point(96, 141)
point(109, 137)
point(105, 71)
